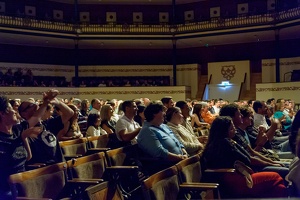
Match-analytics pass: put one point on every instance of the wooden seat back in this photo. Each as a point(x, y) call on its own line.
point(105, 190)
point(98, 141)
point(162, 185)
point(45, 182)
point(189, 169)
point(121, 156)
point(74, 147)
point(87, 167)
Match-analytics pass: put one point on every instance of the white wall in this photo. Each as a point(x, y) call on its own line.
point(123, 93)
point(287, 90)
point(286, 65)
point(237, 77)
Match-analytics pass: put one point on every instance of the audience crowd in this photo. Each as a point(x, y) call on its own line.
point(28, 79)
point(262, 135)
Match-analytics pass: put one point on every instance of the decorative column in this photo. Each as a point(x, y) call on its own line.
point(277, 55)
point(76, 40)
point(174, 48)
point(76, 59)
point(174, 54)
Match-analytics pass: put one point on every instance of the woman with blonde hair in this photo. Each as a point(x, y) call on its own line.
point(107, 123)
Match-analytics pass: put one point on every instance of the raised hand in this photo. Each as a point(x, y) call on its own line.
point(50, 95)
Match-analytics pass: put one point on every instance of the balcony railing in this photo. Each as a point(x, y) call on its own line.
point(160, 29)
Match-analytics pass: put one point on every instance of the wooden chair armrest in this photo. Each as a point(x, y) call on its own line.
point(35, 166)
point(199, 190)
point(200, 186)
point(85, 181)
point(225, 170)
point(216, 175)
point(71, 156)
point(122, 168)
point(98, 149)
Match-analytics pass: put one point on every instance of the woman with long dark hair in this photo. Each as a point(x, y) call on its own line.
point(222, 151)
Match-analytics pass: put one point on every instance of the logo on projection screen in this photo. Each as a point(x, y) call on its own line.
point(228, 71)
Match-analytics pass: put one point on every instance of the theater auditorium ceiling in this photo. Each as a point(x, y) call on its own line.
point(144, 2)
point(254, 34)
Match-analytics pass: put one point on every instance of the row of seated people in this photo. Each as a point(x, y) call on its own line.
point(121, 81)
point(58, 81)
point(189, 174)
point(35, 81)
point(85, 177)
point(159, 142)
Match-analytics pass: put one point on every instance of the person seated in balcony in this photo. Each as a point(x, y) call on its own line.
point(221, 151)
point(127, 84)
point(110, 83)
point(52, 84)
point(35, 83)
point(43, 84)
point(18, 74)
point(102, 84)
point(82, 84)
point(28, 77)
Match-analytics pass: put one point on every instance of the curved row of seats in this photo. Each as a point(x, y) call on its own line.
point(113, 173)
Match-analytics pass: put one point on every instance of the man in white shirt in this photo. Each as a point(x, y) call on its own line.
point(216, 106)
point(259, 119)
point(126, 128)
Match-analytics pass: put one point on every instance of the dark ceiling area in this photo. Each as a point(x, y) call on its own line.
point(254, 42)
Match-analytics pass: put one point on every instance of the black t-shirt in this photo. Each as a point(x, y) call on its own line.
point(45, 148)
point(12, 155)
point(54, 125)
point(224, 153)
point(111, 124)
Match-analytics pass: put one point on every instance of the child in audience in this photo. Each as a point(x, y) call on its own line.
point(93, 124)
